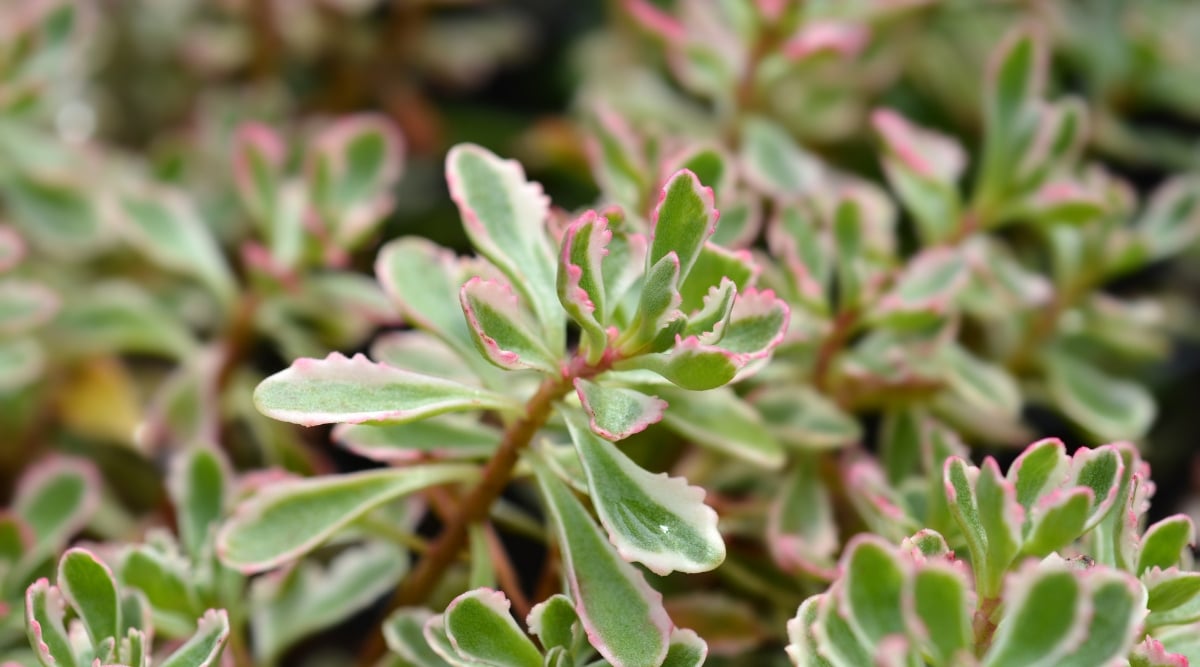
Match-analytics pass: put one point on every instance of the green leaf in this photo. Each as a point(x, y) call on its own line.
point(1163, 543)
point(1017, 73)
point(55, 215)
point(1001, 517)
point(1057, 520)
point(942, 608)
point(775, 164)
point(310, 598)
point(801, 532)
point(1044, 614)
point(88, 585)
point(720, 420)
point(715, 265)
point(618, 412)
point(836, 638)
point(352, 165)
point(204, 648)
point(444, 437)
point(505, 217)
point(288, 519)
point(757, 323)
point(924, 291)
point(982, 384)
point(960, 493)
point(1100, 470)
point(55, 498)
point(656, 520)
point(121, 317)
point(200, 487)
point(553, 620)
point(581, 278)
point(502, 330)
point(658, 317)
point(404, 632)
point(170, 232)
point(687, 649)
point(480, 627)
point(1042, 467)
point(689, 365)
point(135, 648)
point(1117, 600)
point(803, 647)
point(1173, 597)
point(683, 220)
point(423, 280)
point(923, 168)
point(44, 612)
point(355, 390)
point(874, 580)
point(25, 305)
point(616, 159)
point(710, 322)
point(1108, 407)
point(1171, 222)
point(259, 154)
point(623, 616)
point(806, 420)
point(166, 581)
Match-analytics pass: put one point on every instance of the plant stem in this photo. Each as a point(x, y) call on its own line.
point(843, 325)
point(473, 508)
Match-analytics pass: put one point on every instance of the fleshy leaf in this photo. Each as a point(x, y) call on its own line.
point(446, 437)
point(923, 167)
point(480, 627)
point(658, 315)
point(1171, 222)
point(423, 281)
point(169, 230)
point(505, 215)
point(690, 365)
point(756, 324)
point(683, 220)
point(924, 290)
point(405, 635)
point(623, 616)
point(984, 385)
point(1002, 518)
point(165, 581)
point(873, 584)
point(720, 420)
point(802, 534)
point(941, 606)
point(838, 641)
point(581, 278)
point(1016, 77)
point(310, 598)
point(618, 412)
point(1173, 597)
point(687, 649)
point(1043, 621)
point(55, 498)
point(351, 167)
point(1109, 407)
point(204, 648)
point(503, 332)
point(199, 485)
point(290, 518)
point(89, 586)
point(1100, 470)
point(804, 419)
point(656, 520)
point(775, 164)
point(1117, 601)
point(1042, 467)
point(1151, 653)
point(353, 390)
point(552, 620)
point(44, 612)
point(1163, 543)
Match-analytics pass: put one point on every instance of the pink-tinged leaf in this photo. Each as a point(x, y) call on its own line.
point(926, 153)
point(683, 220)
point(1100, 470)
point(1016, 80)
point(877, 501)
point(421, 352)
point(839, 642)
point(803, 646)
point(12, 248)
point(710, 322)
point(689, 364)
point(288, 519)
point(924, 291)
point(1173, 597)
point(502, 329)
point(505, 217)
point(56, 497)
point(714, 265)
point(1171, 221)
point(89, 587)
point(204, 648)
point(1002, 518)
point(44, 613)
point(482, 631)
point(25, 305)
point(404, 632)
point(757, 323)
point(553, 621)
point(938, 605)
point(622, 615)
point(581, 278)
point(1062, 131)
point(1110, 407)
point(774, 164)
point(687, 649)
point(1065, 201)
point(618, 412)
point(449, 437)
point(655, 21)
point(351, 168)
point(1043, 466)
point(839, 38)
point(1056, 520)
point(721, 420)
point(1045, 617)
point(1150, 653)
point(801, 533)
point(617, 158)
point(658, 318)
point(259, 154)
point(656, 520)
point(1118, 604)
point(805, 250)
point(872, 584)
point(338, 389)
point(1163, 544)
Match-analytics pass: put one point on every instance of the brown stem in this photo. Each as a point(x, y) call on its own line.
point(473, 508)
point(506, 575)
point(843, 325)
point(983, 624)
